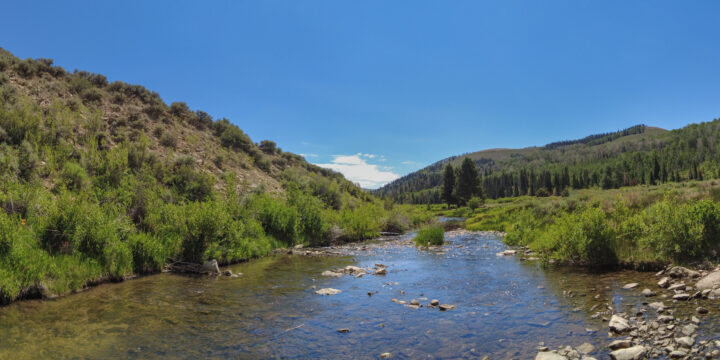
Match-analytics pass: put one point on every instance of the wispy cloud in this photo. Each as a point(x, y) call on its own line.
point(309, 155)
point(358, 170)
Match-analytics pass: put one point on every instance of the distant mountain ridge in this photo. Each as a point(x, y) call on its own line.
point(639, 154)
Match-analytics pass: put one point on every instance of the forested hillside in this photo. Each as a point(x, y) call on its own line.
point(102, 180)
point(637, 155)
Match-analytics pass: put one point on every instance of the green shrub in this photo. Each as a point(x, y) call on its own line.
point(362, 222)
point(277, 217)
point(268, 147)
point(475, 202)
point(204, 224)
point(169, 139)
point(91, 95)
point(28, 161)
point(179, 109)
point(432, 235)
point(581, 237)
point(74, 176)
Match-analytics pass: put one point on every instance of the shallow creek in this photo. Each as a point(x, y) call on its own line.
point(504, 308)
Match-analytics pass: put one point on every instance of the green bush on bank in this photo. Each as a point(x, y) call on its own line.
point(431, 235)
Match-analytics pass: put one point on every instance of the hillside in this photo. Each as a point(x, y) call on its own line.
point(636, 155)
point(103, 180)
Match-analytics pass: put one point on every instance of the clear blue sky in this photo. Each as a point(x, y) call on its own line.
point(407, 82)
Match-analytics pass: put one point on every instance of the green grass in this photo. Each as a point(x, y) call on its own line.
point(431, 235)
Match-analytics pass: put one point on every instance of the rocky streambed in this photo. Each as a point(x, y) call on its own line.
point(472, 298)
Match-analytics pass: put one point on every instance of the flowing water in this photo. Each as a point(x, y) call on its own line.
point(505, 306)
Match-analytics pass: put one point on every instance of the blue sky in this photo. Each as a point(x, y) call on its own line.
point(377, 89)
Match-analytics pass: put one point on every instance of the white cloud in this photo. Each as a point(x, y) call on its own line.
point(309, 155)
point(356, 169)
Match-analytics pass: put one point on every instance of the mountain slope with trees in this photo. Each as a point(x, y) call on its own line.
point(637, 155)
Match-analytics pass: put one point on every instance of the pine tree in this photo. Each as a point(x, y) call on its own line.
point(448, 185)
point(468, 182)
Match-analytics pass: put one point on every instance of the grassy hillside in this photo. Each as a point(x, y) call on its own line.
point(637, 155)
point(103, 180)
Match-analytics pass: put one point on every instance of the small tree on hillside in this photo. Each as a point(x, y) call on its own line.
point(448, 189)
point(468, 182)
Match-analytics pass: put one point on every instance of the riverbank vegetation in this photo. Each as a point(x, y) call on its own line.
point(640, 226)
point(430, 235)
point(103, 180)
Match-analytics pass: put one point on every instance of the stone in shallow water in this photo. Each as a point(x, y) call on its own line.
point(631, 353)
point(620, 344)
point(328, 291)
point(585, 348)
point(444, 307)
point(664, 282)
point(682, 296)
point(648, 293)
point(680, 286)
point(685, 341)
point(548, 355)
point(619, 324)
point(689, 329)
point(331, 273)
point(630, 286)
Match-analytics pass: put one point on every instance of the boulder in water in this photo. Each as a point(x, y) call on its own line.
point(631, 353)
point(711, 281)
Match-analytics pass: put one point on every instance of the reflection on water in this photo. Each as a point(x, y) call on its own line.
point(504, 308)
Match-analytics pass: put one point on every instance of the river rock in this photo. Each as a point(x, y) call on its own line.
point(678, 286)
point(682, 272)
point(666, 319)
point(385, 355)
point(681, 296)
point(434, 302)
point(657, 306)
point(343, 330)
point(211, 267)
point(414, 302)
point(618, 324)
point(331, 273)
point(685, 341)
point(620, 344)
point(380, 271)
point(630, 286)
point(702, 310)
point(709, 282)
point(648, 293)
point(632, 353)
point(585, 348)
point(677, 354)
point(445, 307)
point(549, 355)
point(689, 330)
point(328, 291)
point(664, 282)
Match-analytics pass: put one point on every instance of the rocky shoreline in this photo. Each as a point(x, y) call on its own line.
point(653, 331)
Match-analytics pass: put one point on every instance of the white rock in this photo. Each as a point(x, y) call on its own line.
point(548, 355)
point(710, 281)
point(619, 324)
point(632, 353)
point(328, 291)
